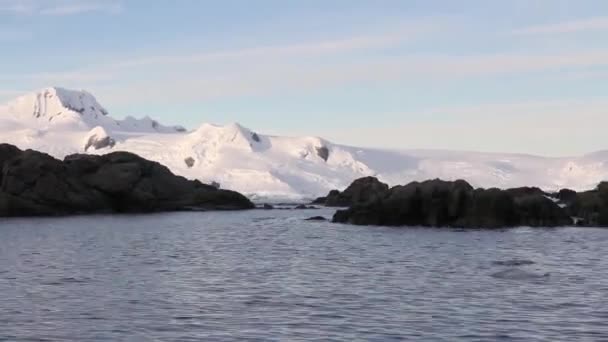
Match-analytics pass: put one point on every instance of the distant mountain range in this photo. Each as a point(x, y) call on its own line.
point(62, 122)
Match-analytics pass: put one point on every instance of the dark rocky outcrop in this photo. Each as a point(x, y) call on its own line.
point(362, 190)
point(320, 200)
point(34, 183)
point(438, 203)
point(99, 142)
point(255, 137)
point(189, 162)
point(304, 206)
point(566, 196)
point(590, 208)
point(323, 152)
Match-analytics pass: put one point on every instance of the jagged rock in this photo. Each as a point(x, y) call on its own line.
point(189, 162)
point(323, 152)
point(267, 206)
point(439, 203)
point(34, 183)
point(362, 190)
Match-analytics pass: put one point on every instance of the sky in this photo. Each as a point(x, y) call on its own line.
point(526, 76)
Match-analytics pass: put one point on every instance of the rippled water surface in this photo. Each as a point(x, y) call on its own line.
point(270, 276)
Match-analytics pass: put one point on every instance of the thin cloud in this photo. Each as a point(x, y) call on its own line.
point(590, 24)
point(78, 8)
point(16, 6)
point(244, 79)
point(239, 58)
point(397, 36)
point(58, 7)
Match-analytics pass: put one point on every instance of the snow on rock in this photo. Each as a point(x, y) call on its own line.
point(146, 124)
point(58, 106)
point(97, 139)
point(61, 122)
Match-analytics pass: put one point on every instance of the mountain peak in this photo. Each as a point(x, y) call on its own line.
point(73, 109)
point(56, 105)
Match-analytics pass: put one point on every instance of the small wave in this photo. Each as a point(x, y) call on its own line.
point(518, 274)
point(66, 280)
point(514, 262)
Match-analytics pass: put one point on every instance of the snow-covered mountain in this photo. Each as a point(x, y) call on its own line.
point(61, 122)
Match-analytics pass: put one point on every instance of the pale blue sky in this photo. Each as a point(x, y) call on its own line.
point(517, 76)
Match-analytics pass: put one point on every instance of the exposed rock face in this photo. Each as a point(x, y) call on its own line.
point(439, 203)
point(589, 207)
point(189, 162)
point(99, 143)
point(98, 138)
point(323, 152)
point(34, 183)
point(361, 191)
point(255, 137)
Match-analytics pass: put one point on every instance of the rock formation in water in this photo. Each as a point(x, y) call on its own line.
point(588, 208)
point(438, 203)
point(361, 191)
point(34, 183)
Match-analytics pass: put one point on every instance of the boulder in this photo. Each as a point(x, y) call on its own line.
point(34, 183)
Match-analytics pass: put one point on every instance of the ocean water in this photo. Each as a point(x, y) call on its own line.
point(271, 276)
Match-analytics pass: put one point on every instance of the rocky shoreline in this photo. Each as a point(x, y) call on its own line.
point(437, 203)
point(35, 184)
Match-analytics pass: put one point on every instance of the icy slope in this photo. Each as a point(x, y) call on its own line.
point(62, 122)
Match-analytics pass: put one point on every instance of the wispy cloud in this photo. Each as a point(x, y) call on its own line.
point(210, 80)
point(59, 7)
point(583, 25)
point(396, 36)
point(223, 64)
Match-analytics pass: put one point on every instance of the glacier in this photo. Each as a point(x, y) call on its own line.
point(60, 122)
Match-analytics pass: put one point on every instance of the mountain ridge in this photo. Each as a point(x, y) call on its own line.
point(60, 122)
